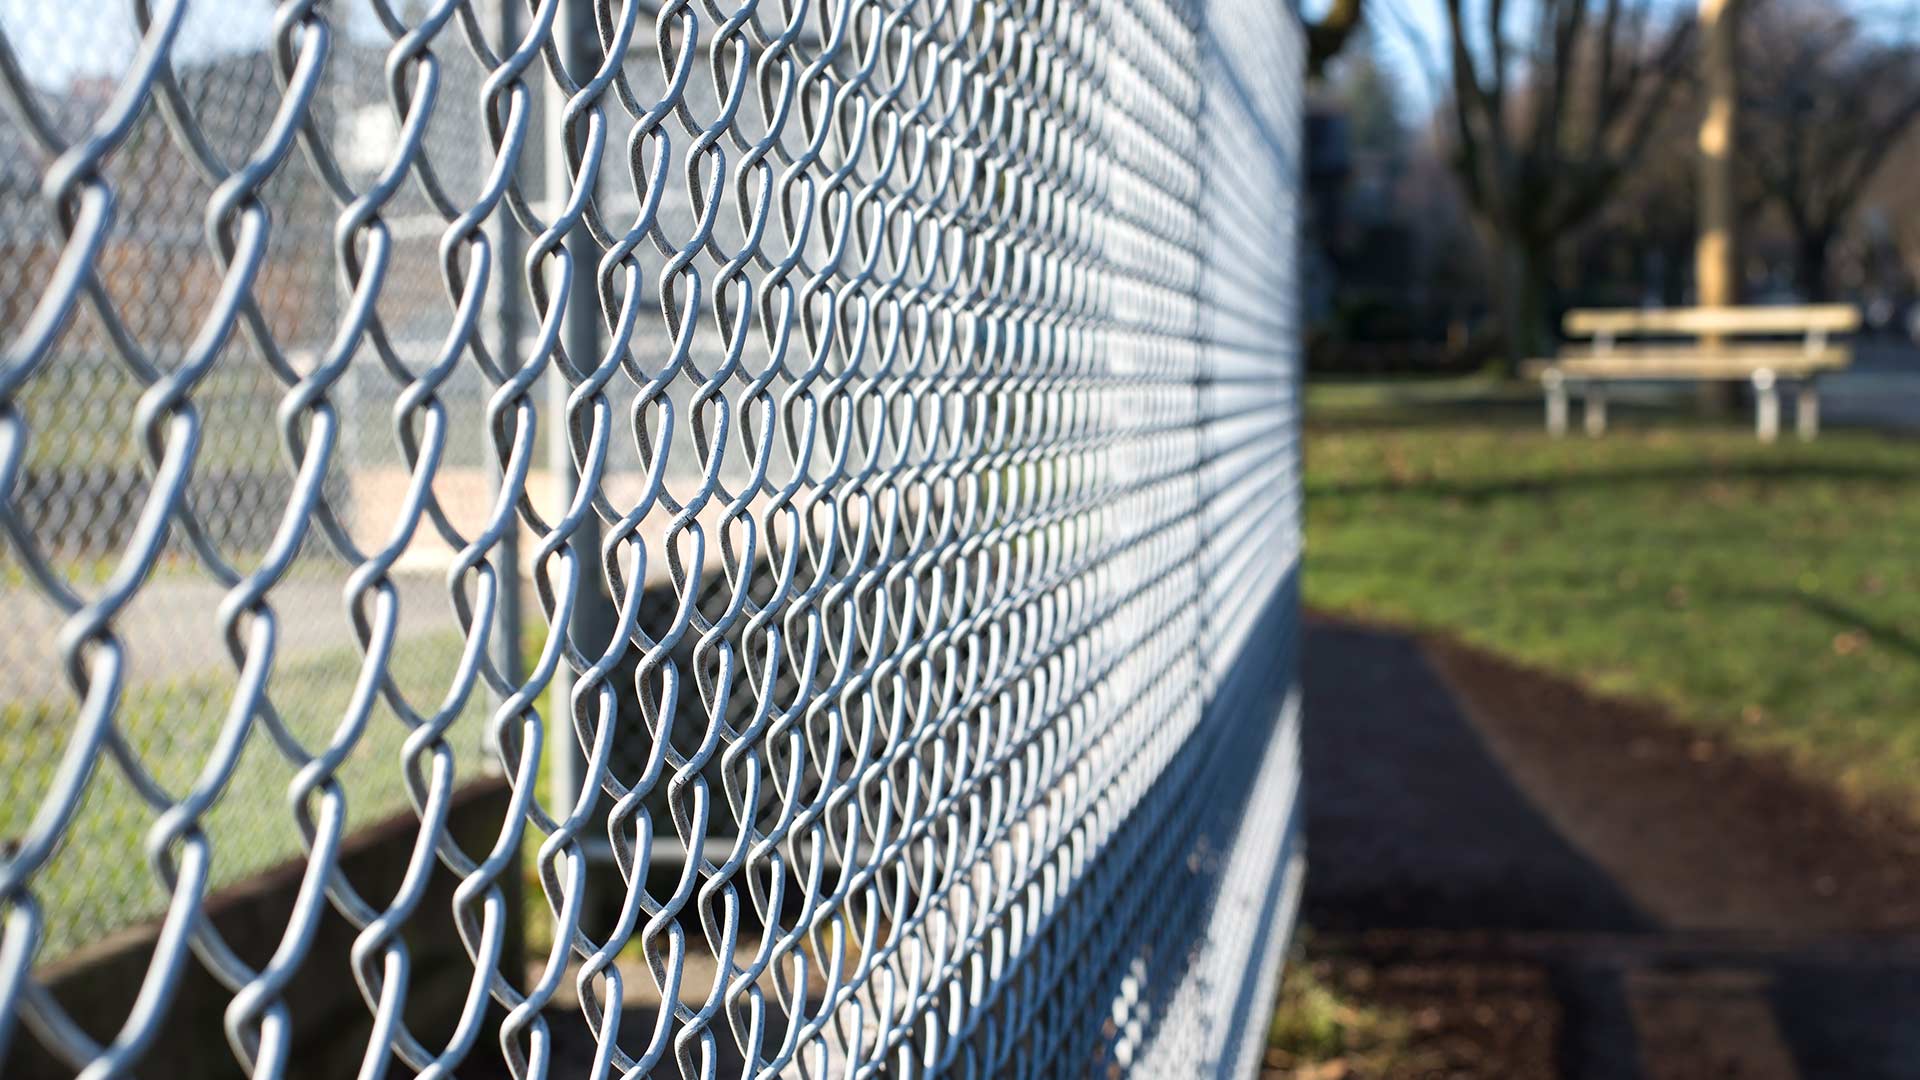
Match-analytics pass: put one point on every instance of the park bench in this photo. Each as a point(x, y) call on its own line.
point(1763, 346)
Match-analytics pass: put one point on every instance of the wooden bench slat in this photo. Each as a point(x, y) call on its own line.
point(1732, 321)
point(1722, 349)
point(1684, 366)
point(1736, 358)
point(1615, 370)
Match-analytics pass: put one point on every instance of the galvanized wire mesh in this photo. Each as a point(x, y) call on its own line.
point(911, 586)
point(82, 477)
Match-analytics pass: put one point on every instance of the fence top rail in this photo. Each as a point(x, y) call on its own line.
point(1751, 320)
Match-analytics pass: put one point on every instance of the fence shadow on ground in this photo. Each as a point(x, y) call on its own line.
point(1437, 869)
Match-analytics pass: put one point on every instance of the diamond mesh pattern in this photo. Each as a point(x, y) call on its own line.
point(878, 418)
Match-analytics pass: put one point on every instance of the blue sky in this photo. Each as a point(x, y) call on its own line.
point(58, 40)
point(1404, 29)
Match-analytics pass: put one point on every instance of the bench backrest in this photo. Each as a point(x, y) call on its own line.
point(1804, 319)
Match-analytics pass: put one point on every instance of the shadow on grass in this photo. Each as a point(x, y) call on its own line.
point(1478, 413)
point(1847, 617)
point(1686, 472)
point(1518, 407)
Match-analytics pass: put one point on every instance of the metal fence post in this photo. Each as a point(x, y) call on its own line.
point(509, 322)
point(593, 616)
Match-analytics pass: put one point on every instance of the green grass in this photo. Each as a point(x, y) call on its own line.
point(100, 879)
point(1355, 395)
point(1770, 594)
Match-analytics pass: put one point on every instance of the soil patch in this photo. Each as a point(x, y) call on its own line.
point(1674, 907)
point(1698, 835)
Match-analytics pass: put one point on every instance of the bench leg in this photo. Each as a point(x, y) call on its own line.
point(1556, 387)
point(1766, 406)
point(1806, 413)
point(1596, 409)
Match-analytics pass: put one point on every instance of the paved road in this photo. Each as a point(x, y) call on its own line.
point(1880, 390)
point(172, 630)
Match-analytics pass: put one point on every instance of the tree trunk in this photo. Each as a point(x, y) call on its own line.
point(1675, 257)
point(1517, 269)
point(1525, 301)
point(1810, 265)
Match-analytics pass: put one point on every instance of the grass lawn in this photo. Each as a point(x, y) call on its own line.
point(1767, 594)
point(100, 878)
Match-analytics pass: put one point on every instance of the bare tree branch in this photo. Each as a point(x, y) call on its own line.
point(1327, 37)
point(1587, 92)
point(1825, 103)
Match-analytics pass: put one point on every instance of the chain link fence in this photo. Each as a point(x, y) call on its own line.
point(834, 462)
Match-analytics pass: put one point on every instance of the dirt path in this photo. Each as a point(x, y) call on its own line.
point(1556, 885)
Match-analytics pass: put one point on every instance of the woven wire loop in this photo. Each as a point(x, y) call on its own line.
point(884, 412)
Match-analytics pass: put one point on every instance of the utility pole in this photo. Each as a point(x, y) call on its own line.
point(1714, 266)
point(1715, 269)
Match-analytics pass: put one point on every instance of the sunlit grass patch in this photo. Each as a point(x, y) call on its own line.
point(1767, 593)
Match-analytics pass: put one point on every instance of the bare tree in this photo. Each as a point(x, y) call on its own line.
point(1329, 35)
point(1824, 101)
point(1639, 247)
point(1894, 194)
point(1552, 103)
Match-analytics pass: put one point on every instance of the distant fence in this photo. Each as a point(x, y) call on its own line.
point(805, 496)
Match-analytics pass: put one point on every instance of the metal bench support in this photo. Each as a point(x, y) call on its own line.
point(1806, 412)
point(1556, 386)
point(1766, 405)
point(1596, 409)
